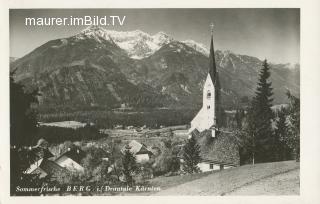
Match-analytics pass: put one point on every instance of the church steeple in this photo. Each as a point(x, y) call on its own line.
point(212, 61)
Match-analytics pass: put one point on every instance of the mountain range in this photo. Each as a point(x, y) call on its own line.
point(104, 68)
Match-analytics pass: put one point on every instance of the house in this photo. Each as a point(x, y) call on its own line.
point(40, 155)
point(42, 166)
point(217, 153)
point(140, 151)
point(48, 168)
point(71, 159)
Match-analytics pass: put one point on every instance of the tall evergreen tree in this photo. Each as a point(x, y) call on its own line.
point(191, 156)
point(260, 117)
point(130, 166)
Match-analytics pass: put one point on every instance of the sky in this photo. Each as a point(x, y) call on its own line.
point(272, 34)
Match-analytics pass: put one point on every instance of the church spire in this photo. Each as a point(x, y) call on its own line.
point(212, 61)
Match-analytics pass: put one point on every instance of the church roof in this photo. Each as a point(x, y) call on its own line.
point(221, 149)
point(212, 62)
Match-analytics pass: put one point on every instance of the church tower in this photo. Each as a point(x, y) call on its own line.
point(206, 117)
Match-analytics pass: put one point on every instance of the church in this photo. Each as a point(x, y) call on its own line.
point(206, 118)
point(218, 149)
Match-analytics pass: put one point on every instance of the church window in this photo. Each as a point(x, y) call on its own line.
point(208, 94)
point(208, 107)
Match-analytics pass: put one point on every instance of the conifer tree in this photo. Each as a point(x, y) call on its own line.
point(260, 117)
point(130, 167)
point(281, 149)
point(191, 156)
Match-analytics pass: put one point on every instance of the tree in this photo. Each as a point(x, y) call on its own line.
point(23, 125)
point(281, 149)
point(102, 175)
point(23, 116)
point(246, 141)
point(167, 161)
point(294, 124)
point(239, 117)
point(115, 159)
point(129, 167)
point(94, 157)
point(260, 118)
point(191, 156)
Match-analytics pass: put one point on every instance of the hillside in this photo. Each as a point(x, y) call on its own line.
point(278, 178)
point(103, 68)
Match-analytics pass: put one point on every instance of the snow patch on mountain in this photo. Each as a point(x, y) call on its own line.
point(197, 46)
point(137, 44)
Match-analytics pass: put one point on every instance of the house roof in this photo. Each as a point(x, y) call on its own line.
point(40, 153)
point(221, 149)
point(74, 153)
point(136, 148)
point(50, 167)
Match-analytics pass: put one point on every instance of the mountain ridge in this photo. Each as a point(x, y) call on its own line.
point(161, 71)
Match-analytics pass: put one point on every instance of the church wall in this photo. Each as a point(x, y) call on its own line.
point(205, 118)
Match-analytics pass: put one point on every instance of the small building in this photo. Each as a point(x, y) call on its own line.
point(140, 151)
point(40, 155)
point(43, 166)
point(71, 159)
point(209, 165)
point(219, 152)
point(48, 168)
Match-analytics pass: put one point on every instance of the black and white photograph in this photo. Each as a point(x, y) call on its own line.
point(154, 102)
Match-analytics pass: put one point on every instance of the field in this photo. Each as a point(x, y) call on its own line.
point(137, 118)
point(277, 178)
